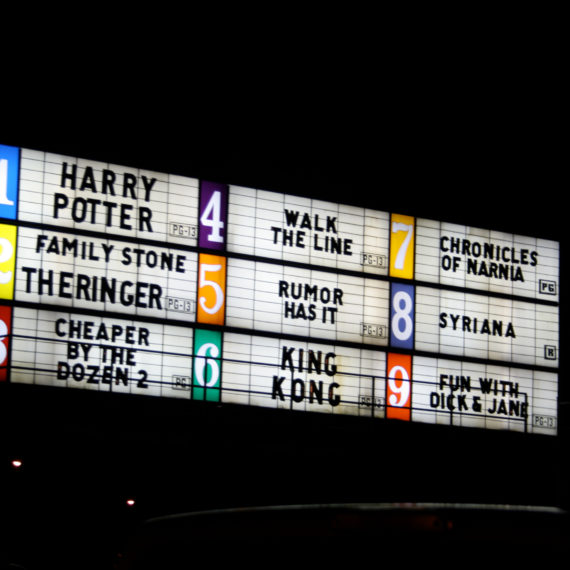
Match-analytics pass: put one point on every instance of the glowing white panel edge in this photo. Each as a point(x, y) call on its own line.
point(73, 350)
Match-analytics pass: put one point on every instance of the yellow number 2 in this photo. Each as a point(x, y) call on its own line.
point(7, 260)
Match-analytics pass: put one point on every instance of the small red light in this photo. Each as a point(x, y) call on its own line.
point(130, 502)
point(17, 463)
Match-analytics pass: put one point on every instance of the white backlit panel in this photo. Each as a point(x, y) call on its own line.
point(485, 260)
point(290, 300)
point(277, 373)
point(450, 392)
point(72, 350)
point(104, 274)
point(99, 197)
point(291, 228)
point(490, 328)
point(114, 278)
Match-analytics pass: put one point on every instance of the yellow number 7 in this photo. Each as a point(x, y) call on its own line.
point(402, 245)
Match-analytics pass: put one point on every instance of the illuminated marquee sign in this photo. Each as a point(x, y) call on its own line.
point(131, 281)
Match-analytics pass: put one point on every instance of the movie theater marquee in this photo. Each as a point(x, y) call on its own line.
point(125, 280)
